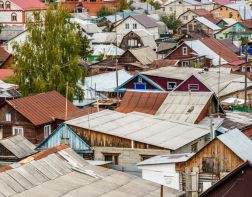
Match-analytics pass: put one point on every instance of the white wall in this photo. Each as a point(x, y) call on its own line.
point(164, 174)
point(19, 39)
point(5, 14)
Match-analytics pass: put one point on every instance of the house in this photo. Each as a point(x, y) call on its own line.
point(191, 107)
point(59, 171)
point(226, 22)
point(64, 134)
point(144, 102)
point(8, 91)
point(148, 8)
point(161, 169)
point(103, 38)
point(240, 177)
point(132, 137)
point(137, 39)
point(10, 31)
point(17, 12)
point(165, 47)
point(6, 59)
point(191, 14)
point(87, 26)
point(144, 56)
point(106, 50)
point(35, 117)
point(205, 52)
point(230, 44)
point(218, 158)
point(136, 22)
point(199, 25)
point(238, 11)
point(15, 148)
point(178, 7)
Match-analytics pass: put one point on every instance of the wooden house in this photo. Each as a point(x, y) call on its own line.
point(15, 148)
point(236, 183)
point(6, 59)
point(35, 117)
point(218, 158)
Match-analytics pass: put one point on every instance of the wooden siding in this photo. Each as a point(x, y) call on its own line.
point(131, 36)
point(131, 84)
point(127, 57)
point(224, 160)
point(177, 54)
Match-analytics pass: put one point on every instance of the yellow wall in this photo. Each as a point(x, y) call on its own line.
point(224, 12)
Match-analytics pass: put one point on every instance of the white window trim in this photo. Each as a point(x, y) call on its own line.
point(8, 117)
point(140, 80)
point(193, 85)
point(185, 63)
point(49, 130)
point(175, 83)
point(19, 128)
point(185, 52)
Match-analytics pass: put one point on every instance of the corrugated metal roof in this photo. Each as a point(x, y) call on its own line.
point(142, 128)
point(239, 143)
point(144, 20)
point(208, 23)
point(144, 55)
point(104, 37)
point(145, 102)
point(184, 106)
point(104, 49)
point(147, 38)
point(166, 159)
point(19, 146)
point(61, 172)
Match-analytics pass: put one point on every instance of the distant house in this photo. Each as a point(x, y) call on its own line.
point(6, 59)
point(199, 25)
point(240, 177)
point(8, 91)
point(17, 12)
point(218, 158)
point(138, 39)
point(35, 117)
point(15, 148)
point(136, 22)
point(226, 22)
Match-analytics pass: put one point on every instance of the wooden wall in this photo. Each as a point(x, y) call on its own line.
point(131, 35)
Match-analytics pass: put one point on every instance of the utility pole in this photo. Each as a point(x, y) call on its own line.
point(116, 62)
point(162, 191)
point(66, 100)
point(218, 110)
point(246, 70)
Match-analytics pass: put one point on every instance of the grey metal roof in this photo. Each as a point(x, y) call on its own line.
point(19, 146)
point(144, 55)
point(64, 173)
point(184, 106)
point(166, 159)
point(239, 143)
point(147, 38)
point(142, 127)
point(144, 20)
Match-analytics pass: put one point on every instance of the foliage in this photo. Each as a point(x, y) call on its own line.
point(198, 65)
point(105, 11)
point(171, 22)
point(49, 58)
point(1, 28)
point(124, 5)
point(155, 4)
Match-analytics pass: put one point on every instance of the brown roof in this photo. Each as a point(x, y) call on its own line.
point(211, 19)
point(247, 24)
point(145, 102)
point(144, 20)
point(46, 107)
point(201, 12)
point(163, 63)
point(4, 55)
point(220, 49)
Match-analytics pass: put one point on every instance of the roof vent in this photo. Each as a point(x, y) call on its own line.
point(190, 109)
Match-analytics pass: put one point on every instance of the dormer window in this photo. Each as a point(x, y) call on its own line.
point(184, 51)
point(140, 80)
point(7, 5)
point(1, 5)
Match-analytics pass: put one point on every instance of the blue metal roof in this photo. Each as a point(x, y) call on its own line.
point(55, 139)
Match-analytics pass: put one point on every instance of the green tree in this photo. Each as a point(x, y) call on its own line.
point(49, 58)
point(1, 28)
point(124, 5)
point(105, 11)
point(171, 21)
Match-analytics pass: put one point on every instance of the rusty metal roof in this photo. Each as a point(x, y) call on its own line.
point(46, 107)
point(145, 102)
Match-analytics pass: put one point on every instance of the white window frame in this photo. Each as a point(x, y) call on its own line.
point(185, 18)
point(135, 84)
point(20, 130)
point(171, 82)
point(126, 25)
point(47, 130)
point(8, 117)
point(185, 63)
point(189, 87)
point(134, 25)
point(184, 50)
point(140, 80)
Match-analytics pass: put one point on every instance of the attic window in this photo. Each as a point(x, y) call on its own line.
point(171, 85)
point(140, 80)
point(7, 5)
point(8, 117)
point(1, 5)
point(193, 87)
point(184, 51)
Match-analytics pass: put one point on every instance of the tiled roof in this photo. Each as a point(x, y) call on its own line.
point(45, 107)
point(215, 45)
point(145, 20)
point(30, 4)
point(145, 102)
point(4, 55)
point(4, 73)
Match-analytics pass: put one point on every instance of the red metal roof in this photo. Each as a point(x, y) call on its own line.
point(46, 107)
point(30, 4)
point(220, 49)
point(201, 12)
point(5, 73)
point(4, 55)
point(145, 102)
point(222, 2)
point(247, 24)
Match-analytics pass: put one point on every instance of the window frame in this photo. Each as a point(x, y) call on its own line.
point(115, 157)
point(145, 86)
point(15, 17)
point(7, 5)
point(1, 5)
point(191, 84)
point(173, 82)
point(8, 117)
point(185, 63)
point(47, 130)
point(126, 25)
point(134, 25)
point(19, 128)
point(183, 52)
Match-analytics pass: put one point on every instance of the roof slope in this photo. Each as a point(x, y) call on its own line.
point(4, 55)
point(19, 146)
point(207, 23)
point(144, 55)
point(59, 171)
point(239, 143)
point(144, 20)
point(45, 107)
point(147, 38)
point(141, 127)
point(145, 102)
point(30, 4)
point(184, 106)
point(201, 12)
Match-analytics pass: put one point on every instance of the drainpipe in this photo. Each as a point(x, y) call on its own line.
point(211, 128)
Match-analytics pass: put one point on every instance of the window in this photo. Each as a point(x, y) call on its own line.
point(134, 26)
point(127, 26)
point(1, 5)
point(185, 17)
point(244, 69)
point(8, 117)
point(193, 87)
point(185, 63)
point(188, 8)
point(47, 130)
point(111, 157)
point(184, 51)
point(217, 14)
point(194, 16)
point(171, 85)
point(140, 80)
point(144, 157)
point(230, 14)
point(194, 147)
point(13, 17)
point(92, 0)
point(208, 164)
point(17, 130)
point(7, 5)
point(132, 43)
point(140, 86)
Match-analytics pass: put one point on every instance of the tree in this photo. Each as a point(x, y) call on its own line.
point(1, 28)
point(105, 11)
point(48, 59)
point(171, 21)
point(124, 5)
